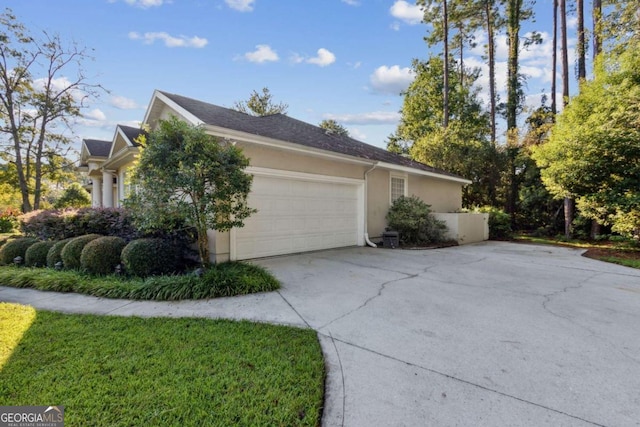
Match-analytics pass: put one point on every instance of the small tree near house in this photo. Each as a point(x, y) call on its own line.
point(185, 174)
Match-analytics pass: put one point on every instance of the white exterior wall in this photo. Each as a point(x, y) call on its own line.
point(466, 227)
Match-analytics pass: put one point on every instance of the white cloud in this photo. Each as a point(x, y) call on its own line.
point(59, 85)
point(395, 26)
point(263, 53)
point(370, 118)
point(324, 58)
point(391, 80)
point(169, 40)
point(407, 12)
point(95, 114)
point(351, 2)
point(123, 103)
point(356, 133)
point(240, 5)
point(296, 58)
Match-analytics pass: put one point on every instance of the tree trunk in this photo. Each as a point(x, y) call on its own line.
point(568, 217)
point(582, 45)
point(492, 68)
point(513, 84)
point(565, 57)
point(445, 82)
point(597, 20)
point(554, 59)
point(568, 201)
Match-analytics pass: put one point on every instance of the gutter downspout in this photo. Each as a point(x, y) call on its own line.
point(366, 207)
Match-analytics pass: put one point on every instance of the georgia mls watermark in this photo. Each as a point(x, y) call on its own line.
point(31, 416)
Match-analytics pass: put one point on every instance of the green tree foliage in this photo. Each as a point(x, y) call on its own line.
point(261, 104)
point(463, 147)
point(74, 196)
point(34, 108)
point(594, 150)
point(185, 174)
point(333, 127)
point(537, 210)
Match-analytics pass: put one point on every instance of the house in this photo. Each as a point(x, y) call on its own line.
point(312, 189)
point(106, 163)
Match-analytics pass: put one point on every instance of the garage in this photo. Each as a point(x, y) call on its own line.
point(298, 213)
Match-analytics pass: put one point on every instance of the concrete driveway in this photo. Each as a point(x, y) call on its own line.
point(492, 334)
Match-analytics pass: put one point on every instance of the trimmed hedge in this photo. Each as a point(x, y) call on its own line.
point(36, 255)
point(73, 250)
point(148, 257)
point(71, 222)
point(55, 253)
point(14, 248)
point(100, 256)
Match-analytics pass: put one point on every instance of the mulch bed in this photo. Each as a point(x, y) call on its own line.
point(598, 253)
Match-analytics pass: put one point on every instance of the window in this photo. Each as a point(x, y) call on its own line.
point(398, 185)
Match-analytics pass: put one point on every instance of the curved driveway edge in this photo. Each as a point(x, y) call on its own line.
point(486, 334)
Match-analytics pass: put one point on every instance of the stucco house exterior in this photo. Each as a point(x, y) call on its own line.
point(312, 189)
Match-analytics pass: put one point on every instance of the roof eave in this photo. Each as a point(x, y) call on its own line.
point(422, 172)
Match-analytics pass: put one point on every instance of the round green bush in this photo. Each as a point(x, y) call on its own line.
point(73, 250)
point(55, 253)
point(100, 256)
point(412, 218)
point(150, 256)
point(36, 255)
point(14, 248)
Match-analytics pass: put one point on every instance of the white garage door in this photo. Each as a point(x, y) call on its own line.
point(298, 215)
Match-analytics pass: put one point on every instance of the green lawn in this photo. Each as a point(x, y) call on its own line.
point(123, 371)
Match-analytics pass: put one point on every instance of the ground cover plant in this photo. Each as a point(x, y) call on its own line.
point(220, 280)
point(119, 371)
point(624, 252)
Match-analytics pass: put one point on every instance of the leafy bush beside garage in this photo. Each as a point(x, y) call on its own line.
point(412, 218)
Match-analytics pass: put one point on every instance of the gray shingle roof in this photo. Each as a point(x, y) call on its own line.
point(285, 128)
point(131, 133)
point(97, 147)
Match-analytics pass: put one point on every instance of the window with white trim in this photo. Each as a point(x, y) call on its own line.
point(398, 187)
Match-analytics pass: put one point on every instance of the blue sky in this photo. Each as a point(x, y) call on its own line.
point(346, 60)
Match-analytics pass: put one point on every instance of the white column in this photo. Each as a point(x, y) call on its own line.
point(107, 189)
point(96, 192)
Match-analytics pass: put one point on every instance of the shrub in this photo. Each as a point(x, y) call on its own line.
point(55, 253)
point(412, 218)
point(73, 250)
point(150, 256)
point(36, 255)
point(74, 196)
point(499, 222)
point(64, 223)
point(8, 220)
point(100, 256)
point(14, 248)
